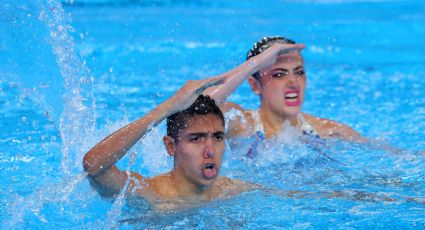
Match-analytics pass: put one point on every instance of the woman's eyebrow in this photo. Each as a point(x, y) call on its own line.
point(280, 69)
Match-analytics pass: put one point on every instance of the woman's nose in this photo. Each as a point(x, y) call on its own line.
point(292, 79)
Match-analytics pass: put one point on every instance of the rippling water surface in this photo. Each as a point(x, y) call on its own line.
point(72, 72)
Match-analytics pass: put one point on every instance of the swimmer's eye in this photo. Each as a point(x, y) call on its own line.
point(280, 74)
point(219, 137)
point(195, 139)
point(300, 73)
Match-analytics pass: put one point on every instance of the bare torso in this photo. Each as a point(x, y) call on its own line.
point(163, 194)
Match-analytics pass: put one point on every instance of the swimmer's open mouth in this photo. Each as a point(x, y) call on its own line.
point(209, 166)
point(292, 98)
point(210, 171)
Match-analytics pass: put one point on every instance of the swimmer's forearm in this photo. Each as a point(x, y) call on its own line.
point(111, 149)
point(234, 78)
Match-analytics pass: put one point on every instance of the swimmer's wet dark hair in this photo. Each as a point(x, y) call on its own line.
point(263, 44)
point(203, 105)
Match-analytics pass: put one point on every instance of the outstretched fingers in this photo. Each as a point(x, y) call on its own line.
point(269, 56)
point(284, 48)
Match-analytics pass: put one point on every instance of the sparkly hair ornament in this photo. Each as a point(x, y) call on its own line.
point(265, 43)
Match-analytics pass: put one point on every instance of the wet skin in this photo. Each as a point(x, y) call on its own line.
point(197, 156)
point(282, 86)
point(199, 150)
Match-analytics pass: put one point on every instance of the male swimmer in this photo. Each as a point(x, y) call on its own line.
point(195, 138)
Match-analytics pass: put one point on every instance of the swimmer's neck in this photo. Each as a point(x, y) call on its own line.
point(273, 123)
point(186, 189)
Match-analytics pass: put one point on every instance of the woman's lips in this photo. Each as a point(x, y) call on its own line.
point(292, 98)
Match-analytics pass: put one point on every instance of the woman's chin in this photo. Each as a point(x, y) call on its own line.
point(292, 111)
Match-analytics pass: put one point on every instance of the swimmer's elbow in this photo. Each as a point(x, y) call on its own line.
point(89, 166)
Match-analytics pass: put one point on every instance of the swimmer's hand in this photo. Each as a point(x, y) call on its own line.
point(188, 93)
point(270, 55)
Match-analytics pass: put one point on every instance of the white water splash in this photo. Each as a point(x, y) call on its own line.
point(78, 116)
point(34, 202)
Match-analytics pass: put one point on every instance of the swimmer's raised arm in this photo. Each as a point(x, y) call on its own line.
point(236, 76)
point(100, 161)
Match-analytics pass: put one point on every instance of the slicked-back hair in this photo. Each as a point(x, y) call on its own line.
point(203, 105)
point(263, 44)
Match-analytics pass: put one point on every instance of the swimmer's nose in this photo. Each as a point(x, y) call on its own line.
point(292, 80)
point(209, 153)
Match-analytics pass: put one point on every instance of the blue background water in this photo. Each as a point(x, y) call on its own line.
point(72, 73)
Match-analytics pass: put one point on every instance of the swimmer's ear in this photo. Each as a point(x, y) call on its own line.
point(255, 85)
point(169, 145)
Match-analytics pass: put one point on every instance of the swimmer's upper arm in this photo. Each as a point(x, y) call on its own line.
point(332, 129)
point(239, 125)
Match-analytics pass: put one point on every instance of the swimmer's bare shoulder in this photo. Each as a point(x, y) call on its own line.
point(159, 192)
point(161, 195)
point(160, 186)
point(327, 128)
point(240, 125)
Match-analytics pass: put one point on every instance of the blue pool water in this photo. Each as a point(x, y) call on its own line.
point(72, 72)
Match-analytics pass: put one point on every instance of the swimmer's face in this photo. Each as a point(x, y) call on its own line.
point(282, 85)
point(199, 150)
